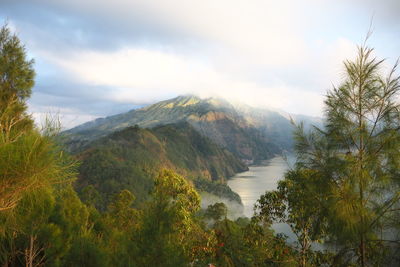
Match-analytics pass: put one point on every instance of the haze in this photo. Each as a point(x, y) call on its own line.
point(97, 58)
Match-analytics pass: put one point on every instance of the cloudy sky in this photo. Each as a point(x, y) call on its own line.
point(101, 57)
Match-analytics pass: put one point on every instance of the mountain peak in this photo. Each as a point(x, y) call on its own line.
point(179, 101)
point(250, 133)
point(183, 101)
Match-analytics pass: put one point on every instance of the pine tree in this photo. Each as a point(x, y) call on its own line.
point(16, 82)
point(357, 155)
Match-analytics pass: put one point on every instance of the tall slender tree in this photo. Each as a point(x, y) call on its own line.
point(358, 155)
point(16, 81)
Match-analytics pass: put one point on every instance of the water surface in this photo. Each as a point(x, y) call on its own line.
point(250, 185)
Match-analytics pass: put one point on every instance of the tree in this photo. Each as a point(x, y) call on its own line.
point(168, 223)
point(31, 164)
point(216, 211)
point(28, 158)
point(357, 157)
point(120, 211)
point(16, 82)
point(16, 72)
point(297, 202)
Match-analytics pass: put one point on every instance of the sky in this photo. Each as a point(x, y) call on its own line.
point(96, 58)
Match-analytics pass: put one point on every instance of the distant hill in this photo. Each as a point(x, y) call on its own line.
point(130, 158)
point(249, 133)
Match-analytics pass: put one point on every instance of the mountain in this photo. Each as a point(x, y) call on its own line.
point(249, 133)
point(130, 158)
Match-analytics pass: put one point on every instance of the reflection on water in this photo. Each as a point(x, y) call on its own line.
point(250, 185)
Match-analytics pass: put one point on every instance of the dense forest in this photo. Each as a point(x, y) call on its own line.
point(130, 158)
point(341, 199)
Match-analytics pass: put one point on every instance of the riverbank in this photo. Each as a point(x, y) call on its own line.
point(251, 184)
point(258, 179)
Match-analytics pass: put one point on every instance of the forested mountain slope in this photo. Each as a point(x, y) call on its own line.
point(249, 133)
point(129, 159)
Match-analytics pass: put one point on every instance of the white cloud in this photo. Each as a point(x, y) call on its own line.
point(282, 54)
point(140, 75)
point(68, 117)
point(327, 65)
point(263, 31)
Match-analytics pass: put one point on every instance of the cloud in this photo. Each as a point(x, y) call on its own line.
point(386, 12)
point(68, 117)
point(146, 76)
point(267, 32)
point(122, 54)
point(72, 111)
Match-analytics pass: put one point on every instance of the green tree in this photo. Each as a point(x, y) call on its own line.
point(357, 155)
point(29, 162)
point(16, 81)
point(121, 224)
point(40, 229)
point(168, 222)
point(87, 250)
point(19, 240)
point(120, 211)
point(216, 211)
point(38, 208)
point(297, 202)
point(29, 159)
point(16, 72)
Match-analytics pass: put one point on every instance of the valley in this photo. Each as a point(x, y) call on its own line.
point(199, 133)
point(251, 134)
point(205, 140)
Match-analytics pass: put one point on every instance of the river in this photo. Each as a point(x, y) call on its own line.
point(250, 185)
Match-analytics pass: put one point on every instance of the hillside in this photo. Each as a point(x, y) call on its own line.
point(249, 133)
point(129, 158)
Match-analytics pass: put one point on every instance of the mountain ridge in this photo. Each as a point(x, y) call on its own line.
point(252, 134)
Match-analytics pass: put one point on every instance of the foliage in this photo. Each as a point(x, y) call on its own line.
point(17, 74)
point(16, 81)
point(44, 223)
point(356, 160)
point(297, 203)
point(168, 222)
point(218, 189)
point(248, 133)
point(129, 159)
point(216, 211)
point(250, 244)
point(343, 191)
